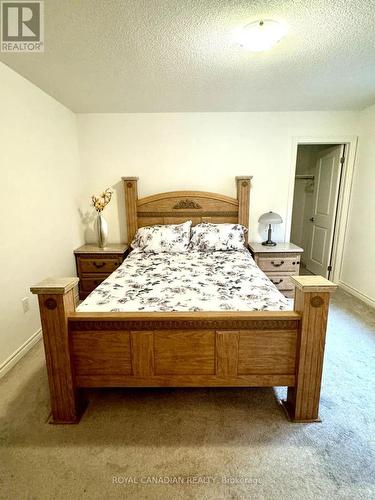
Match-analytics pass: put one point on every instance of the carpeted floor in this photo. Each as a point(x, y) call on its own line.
point(182, 443)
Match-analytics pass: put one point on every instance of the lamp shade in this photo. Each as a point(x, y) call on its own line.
point(270, 218)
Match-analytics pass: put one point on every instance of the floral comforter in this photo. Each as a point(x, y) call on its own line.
point(192, 281)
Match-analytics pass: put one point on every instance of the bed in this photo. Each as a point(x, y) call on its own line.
point(208, 320)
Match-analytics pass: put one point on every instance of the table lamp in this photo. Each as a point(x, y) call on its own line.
point(270, 218)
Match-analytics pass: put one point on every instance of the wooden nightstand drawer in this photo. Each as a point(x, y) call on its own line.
point(98, 264)
point(89, 284)
point(282, 282)
point(276, 263)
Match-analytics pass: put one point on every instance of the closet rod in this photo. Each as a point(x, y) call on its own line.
point(309, 177)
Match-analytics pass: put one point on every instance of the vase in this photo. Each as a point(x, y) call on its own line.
point(102, 226)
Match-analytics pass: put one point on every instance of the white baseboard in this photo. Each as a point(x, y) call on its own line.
point(19, 353)
point(353, 291)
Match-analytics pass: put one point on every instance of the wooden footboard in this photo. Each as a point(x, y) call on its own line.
point(179, 349)
point(195, 349)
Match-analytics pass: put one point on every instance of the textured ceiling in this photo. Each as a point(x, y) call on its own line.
point(181, 55)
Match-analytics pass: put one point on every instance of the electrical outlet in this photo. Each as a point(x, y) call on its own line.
point(25, 304)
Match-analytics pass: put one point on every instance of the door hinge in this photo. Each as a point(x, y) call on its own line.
point(329, 268)
point(342, 160)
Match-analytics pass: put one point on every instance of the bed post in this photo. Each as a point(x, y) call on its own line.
point(56, 300)
point(312, 295)
point(243, 196)
point(131, 198)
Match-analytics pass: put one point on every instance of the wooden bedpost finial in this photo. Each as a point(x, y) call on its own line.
point(244, 180)
point(131, 198)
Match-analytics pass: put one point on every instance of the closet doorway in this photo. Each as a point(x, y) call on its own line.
point(317, 189)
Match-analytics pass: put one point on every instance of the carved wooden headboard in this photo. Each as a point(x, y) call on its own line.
point(178, 206)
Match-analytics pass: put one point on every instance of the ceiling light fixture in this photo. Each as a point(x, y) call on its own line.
point(261, 35)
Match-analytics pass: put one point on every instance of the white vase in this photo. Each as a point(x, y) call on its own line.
point(102, 227)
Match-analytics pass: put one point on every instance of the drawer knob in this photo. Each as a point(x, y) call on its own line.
point(275, 264)
point(98, 265)
point(277, 282)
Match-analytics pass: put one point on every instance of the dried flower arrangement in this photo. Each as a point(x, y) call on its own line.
point(100, 202)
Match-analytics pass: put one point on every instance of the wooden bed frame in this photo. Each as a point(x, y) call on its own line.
point(184, 349)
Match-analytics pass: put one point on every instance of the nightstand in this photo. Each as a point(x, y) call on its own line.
point(278, 263)
point(95, 264)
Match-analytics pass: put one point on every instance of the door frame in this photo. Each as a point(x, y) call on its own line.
point(344, 199)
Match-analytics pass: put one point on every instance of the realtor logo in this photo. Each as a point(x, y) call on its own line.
point(22, 26)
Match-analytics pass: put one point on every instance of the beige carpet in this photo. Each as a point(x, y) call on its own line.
point(182, 443)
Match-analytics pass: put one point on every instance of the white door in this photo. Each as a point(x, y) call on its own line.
point(327, 180)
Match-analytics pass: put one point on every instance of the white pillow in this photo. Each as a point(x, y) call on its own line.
point(208, 237)
point(173, 238)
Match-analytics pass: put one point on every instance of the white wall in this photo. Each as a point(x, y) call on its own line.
point(40, 223)
point(358, 269)
point(170, 151)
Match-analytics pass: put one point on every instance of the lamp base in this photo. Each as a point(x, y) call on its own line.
point(269, 243)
